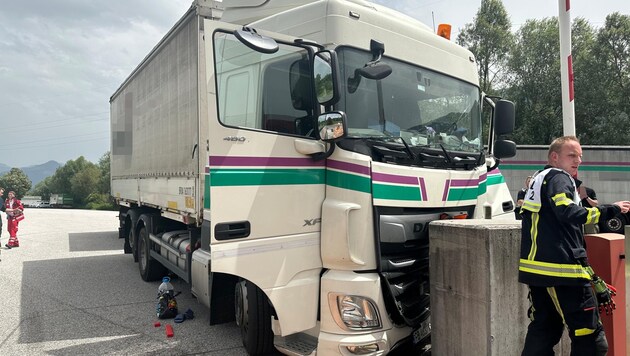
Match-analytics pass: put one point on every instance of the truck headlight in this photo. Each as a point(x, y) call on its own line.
point(354, 312)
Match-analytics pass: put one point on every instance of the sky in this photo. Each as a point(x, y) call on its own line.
point(61, 60)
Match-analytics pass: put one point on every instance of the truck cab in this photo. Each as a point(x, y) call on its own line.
point(411, 151)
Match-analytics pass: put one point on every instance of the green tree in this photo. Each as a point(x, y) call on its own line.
point(105, 178)
point(96, 201)
point(43, 188)
point(535, 85)
point(61, 182)
point(84, 183)
point(587, 91)
point(610, 129)
point(601, 67)
point(489, 38)
point(87, 183)
point(613, 52)
point(17, 181)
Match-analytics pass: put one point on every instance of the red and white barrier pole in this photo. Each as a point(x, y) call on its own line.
point(566, 67)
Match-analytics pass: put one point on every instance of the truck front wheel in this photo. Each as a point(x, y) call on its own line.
point(253, 316)
point(150, 269)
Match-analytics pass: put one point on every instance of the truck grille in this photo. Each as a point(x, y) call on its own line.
point(404, 260)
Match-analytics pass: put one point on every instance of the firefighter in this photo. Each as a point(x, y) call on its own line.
point(563, 289)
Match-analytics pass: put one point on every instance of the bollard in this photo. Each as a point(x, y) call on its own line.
point(627, 301)
point(607, 257)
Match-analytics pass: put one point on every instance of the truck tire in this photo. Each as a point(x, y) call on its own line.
point(127, 246)
point(131, 244)
point(150, 269)
point(253, 316)
point(615, 224)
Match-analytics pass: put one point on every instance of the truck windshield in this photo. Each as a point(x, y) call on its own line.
point(422, 107)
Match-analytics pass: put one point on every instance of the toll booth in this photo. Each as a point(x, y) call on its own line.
point(607, 255)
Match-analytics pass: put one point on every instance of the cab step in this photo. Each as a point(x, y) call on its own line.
point(299, 344)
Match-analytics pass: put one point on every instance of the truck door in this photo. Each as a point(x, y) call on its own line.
point(264, 197)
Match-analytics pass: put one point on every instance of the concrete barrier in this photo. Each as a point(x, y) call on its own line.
point(477, 305)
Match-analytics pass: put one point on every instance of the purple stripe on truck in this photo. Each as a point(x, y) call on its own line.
point(264, 161)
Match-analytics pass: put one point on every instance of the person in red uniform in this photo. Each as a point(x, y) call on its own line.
point(14, 209)
point(1, 209)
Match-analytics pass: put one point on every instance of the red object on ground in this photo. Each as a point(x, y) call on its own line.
point(169, 330)
point(157, 324)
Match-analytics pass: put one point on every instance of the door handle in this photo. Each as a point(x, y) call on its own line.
point(232, 230)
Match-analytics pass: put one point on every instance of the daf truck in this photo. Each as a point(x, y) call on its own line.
point(286, 157)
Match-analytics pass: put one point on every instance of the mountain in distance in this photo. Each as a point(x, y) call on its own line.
point(35, 173)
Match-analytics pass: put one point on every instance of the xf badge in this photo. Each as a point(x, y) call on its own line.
point(311, 222)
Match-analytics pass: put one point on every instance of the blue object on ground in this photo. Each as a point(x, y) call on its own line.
point(189, 314)
point(179, 318)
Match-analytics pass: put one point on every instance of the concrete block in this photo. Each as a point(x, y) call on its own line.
point(477, 305)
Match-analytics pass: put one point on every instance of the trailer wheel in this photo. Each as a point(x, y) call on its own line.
point(131, 244)
point(127, 246)
point(253, 316)
point(150, 269)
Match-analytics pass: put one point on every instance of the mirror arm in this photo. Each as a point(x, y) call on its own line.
point(323, 155)
point(497, 161)
point(301, 41)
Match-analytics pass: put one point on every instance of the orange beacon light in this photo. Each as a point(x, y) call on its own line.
point(444, 30)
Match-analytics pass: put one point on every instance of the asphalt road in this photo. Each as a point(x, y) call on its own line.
point(70, 290)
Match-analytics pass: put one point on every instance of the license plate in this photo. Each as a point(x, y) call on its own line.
point(422, 331)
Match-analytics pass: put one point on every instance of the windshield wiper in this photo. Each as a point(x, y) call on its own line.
point(391, 137)
point(413, 156)
point(448, 157)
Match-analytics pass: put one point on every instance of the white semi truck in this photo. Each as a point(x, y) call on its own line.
point(286, 157)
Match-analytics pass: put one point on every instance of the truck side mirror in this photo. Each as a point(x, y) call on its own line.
point(332, 126)
point(325, 77)
point(504, 117)
point(504, 149)
point(250, 38)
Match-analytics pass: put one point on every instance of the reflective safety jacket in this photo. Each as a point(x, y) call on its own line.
point(552, 240)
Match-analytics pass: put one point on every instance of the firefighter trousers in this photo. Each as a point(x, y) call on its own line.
point(553, 307)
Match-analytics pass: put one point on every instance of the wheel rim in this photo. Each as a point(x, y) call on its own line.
point(238, 304)
point(614, 224)
point(240, 307)
point(130, 240)
point(142, 255)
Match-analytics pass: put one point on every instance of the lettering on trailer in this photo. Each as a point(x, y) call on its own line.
point(186, 191)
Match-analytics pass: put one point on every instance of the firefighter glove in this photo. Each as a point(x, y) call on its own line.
point(604, 293)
